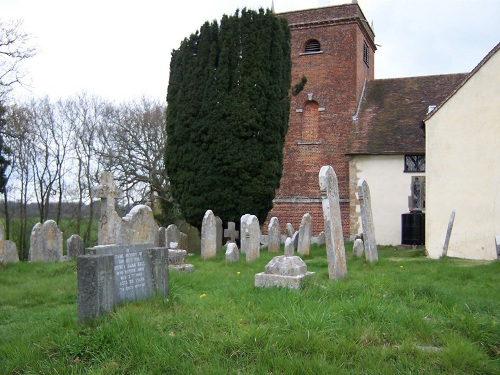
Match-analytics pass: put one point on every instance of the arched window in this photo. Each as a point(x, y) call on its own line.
point(310, 122)
point(312, 46)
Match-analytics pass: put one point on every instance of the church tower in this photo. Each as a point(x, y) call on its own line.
point(333, 47)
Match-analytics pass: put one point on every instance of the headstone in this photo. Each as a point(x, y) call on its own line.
point(74, 246)
point(370, 243)
point(295, 240)
point(208, 236)
point(304, 244)
point(448, 233)
point(138, 227)
point(243, 230)
point(173, 234)
point(46, 243)
point(358, 248)
point(335, 251)
point(289, 230)
point(289, 250)
point(232, 253)
point(283, 271)
point(251, 238)
point(162, 237)
point(321, 238)
point(177, 259)
point(112, 274)
point(231, 233)
point(273, 235)
point(497, 245)
point(109, 221)
point(183, 241)
point(218, 226)
point(8, 250)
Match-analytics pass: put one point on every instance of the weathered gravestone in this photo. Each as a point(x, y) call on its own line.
point(289, 230)
point(370, 243)
point(250, 237)
point(208, 236)
point(219, 233)
point(321, 238)
point(335, 251)
point(358, 248)
point(295, 240)
point(8, 250)
point(289, 250)
point(110, 275)
point(232, 253)
point(284, 271)
point(138, 226)
point(74, 246)
point(173, 234)
point(46, 243)
point(273, 235)
point(177, 259)
point(231, 233)
point(243, 230)
point(304, 243)
point(109, 221)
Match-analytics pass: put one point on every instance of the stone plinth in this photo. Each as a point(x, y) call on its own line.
point(177, 261)
point(283, 271)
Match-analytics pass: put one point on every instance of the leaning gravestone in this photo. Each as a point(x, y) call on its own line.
point(250, 239)
point(8, 250)
point(112, 274)
point(304, 243)
point(273, 235)
point(109, 221)
point(335, 251)
point(46, 243)
point(74, 246)
point(208, 236)
point(370, 243)
point(232, 253)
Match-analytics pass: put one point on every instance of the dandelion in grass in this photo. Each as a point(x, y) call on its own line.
point(203, 295)
point(238, 272)
point(401, 266)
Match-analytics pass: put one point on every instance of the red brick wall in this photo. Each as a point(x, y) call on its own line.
point(335, 80)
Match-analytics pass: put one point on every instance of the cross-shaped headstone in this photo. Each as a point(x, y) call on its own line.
point(107, 191)
point(231, 233)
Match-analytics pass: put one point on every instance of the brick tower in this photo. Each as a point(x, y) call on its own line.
point(333, 47)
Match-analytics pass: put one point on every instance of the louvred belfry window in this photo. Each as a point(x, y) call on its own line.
point(312, 46)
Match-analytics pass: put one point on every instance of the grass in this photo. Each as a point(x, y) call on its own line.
point(405, 314)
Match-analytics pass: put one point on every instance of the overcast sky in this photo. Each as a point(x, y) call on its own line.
point(120, 49)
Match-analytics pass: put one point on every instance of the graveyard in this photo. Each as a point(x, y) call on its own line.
point(403, 314)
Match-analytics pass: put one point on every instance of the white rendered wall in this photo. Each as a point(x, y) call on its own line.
point(390, 188)
point(463, 168)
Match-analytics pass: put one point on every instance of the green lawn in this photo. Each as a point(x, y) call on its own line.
point(405, 314)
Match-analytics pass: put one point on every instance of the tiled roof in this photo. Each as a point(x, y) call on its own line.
point(392, 111)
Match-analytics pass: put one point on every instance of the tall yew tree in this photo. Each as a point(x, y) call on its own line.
point(227, 116)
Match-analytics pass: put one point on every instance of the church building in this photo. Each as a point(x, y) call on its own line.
point(362, 127)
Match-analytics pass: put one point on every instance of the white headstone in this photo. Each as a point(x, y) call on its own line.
point(358, 248)
point(208, 236)
point(252, 238)
point(273, 235)
point(243, 230)
point(334, 238)
point(304, 244)
point(232, 253)
point(370, 243)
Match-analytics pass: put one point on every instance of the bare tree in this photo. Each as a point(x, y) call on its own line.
point(15, 48)
point(134, 145)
